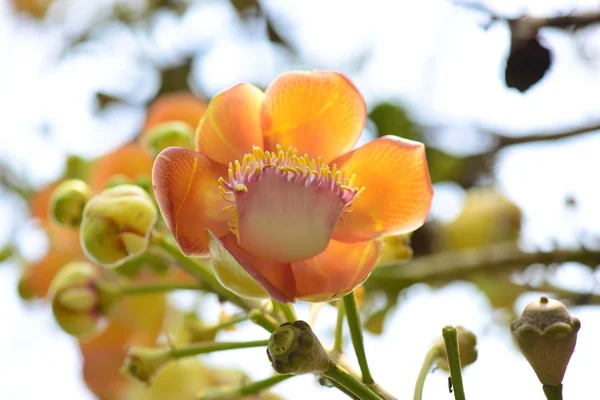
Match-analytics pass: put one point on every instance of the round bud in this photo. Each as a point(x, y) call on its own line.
point(295, 349)
point(78, 303)
point(467, 349)
point(168, 134)
point(67, 202)
point(546, 334)
point(143, 363)
point(117, 225)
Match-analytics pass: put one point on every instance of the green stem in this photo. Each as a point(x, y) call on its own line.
point(211, 347)
point(259, 386)
point(288, 312)
point(243, 391)
point(357, 337)
point(430, 358)
point(208, 281)
point(451, 341)
point(338, 336)
point(132, 290)
point(553, 392)
point(358, 388)
point(264, 320)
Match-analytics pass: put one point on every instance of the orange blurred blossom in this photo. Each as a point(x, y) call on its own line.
point(278, 198)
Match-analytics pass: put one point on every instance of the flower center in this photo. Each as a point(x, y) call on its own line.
point(284, 206)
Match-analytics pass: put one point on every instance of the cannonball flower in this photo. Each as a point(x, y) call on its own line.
point(277, 196)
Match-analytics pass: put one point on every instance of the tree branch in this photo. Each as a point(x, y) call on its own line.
point(505, 141)
point(570, 21)
point(456, 264)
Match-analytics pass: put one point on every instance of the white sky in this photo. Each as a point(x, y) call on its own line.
point(429, 55)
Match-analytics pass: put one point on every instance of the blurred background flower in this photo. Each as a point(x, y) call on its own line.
point(512, 157)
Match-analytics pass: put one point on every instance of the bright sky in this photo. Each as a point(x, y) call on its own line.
point(429, 55)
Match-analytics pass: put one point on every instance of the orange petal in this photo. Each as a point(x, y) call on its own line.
point(398, 189)
point(247, 275)
point(186, 189)
point(103, 357)
point(130, 161)
point(231, 125)
point(37, 277)
point(176, 106)
point(336, 271)
point(319, 113)
point(135, 320)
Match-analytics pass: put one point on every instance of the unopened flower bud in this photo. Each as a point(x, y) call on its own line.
point(117, 225)
point(143, 363)
point(76, 168)
point(467, 349)
point(546, 334)
point(24, 289)
point(295, 349)
point(168, 134)
point(78, 300)
point(67, 202)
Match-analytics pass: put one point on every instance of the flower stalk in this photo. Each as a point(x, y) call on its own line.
point(450, 335)
point(338, 336)
point(357, 337)
point(244, 390)
point(208, 281)
point(553, 392)
point(430, 358)
point(337, 374)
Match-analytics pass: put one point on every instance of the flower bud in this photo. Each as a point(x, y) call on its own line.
point(117, 225)
point(143, 363)
point(467, 343)
point(78, 300)
point(396, 248)
point(76, 168)
point(546, 334)
point(67, 202)
point(168, 134)
point(295, 349)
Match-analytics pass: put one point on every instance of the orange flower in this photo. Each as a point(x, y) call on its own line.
point(278, 197)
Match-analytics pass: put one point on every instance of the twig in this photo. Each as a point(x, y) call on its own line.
point(455, 264)
point(570, 21)
point(506, 141)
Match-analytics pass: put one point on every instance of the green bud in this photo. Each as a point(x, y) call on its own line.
point(117, 180)
point(295, 349)
point(168, 134)
point(6, 252)
point(546, 335)
point(79, 299)
point(67, 202)
point(117, 225)
point(76, 168)
point(143, 363)
point(24, 289)
point(467, 349)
